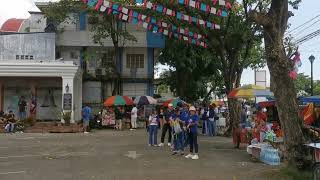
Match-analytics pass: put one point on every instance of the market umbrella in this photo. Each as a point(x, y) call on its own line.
point(144, 100)
point(250, 91)
point(174, 102)
point(118, 101)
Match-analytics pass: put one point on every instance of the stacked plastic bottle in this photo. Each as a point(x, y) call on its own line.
point(269, 155)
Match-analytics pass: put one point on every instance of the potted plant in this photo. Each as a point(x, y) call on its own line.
point(66, 117)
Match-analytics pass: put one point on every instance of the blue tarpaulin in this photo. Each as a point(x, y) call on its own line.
point(311, 99)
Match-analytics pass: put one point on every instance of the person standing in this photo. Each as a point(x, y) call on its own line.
point(86, 113)
point(22, 108)
point(134, 116)
point(153, 128)
point(193, 134)
point(119, 116)
point(211, 121)
point(168, 116)
point(177, 134)
point(161, 118)
point(205, 118)
point(184, 116)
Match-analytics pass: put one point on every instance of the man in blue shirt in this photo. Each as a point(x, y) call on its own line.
point(86, 113)
point(193, 133)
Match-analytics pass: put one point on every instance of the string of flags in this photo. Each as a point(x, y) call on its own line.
point(179, 15)
point(147, 22)
point(297, 63)
point(197, 4)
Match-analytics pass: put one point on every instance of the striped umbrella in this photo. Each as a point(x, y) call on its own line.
point(174, 102)
point(144, 100)
point(250, 91)
point(118, 101)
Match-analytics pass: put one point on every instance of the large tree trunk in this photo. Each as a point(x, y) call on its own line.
point(275, 24)
point(234, 115)
point(285, 94)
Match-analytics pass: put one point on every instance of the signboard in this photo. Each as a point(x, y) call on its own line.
point(67, 101)
point(260, 77)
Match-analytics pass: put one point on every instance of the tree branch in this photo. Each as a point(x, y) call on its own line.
point(260, 18)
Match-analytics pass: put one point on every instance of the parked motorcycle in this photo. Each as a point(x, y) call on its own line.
point(96, 122)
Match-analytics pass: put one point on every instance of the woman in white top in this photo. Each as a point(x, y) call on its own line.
point(153, 128)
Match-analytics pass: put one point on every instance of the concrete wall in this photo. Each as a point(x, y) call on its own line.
point(134, 89)
point(70, 54)
point(35, 23)
point(40, 45)
point(91, 91)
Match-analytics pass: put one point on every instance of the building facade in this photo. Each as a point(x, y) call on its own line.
point(28, 69)
point(135, 63)
point(53, 61)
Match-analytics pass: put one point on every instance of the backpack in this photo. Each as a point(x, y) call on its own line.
point(176, 127)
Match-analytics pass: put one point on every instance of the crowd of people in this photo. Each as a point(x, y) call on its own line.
point(181, 125)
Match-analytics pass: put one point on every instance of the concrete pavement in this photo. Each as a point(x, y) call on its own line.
point(111, 155)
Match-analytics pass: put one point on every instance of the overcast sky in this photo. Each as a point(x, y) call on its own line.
point(308, 9)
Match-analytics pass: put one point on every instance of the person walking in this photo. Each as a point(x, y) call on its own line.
point(168, 116)
point(86, 114)
point(193, 134)
point(22, 108)
point(153, 128)
point(134, 116)
point(178, 145)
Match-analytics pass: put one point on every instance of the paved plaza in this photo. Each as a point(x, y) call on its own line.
point(110, 155)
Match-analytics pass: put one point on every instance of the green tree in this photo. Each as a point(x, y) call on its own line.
point(192, 69)
point(303, 84)
point(233, 48)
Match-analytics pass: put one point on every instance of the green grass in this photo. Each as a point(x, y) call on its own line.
point(295, 174)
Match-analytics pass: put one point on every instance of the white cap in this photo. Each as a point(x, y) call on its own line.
point(192, 108)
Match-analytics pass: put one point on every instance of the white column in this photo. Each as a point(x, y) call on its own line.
point(68, 81)
point(78, 96)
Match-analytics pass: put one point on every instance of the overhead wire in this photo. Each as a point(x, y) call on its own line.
point(302, 25)
point(297, 34)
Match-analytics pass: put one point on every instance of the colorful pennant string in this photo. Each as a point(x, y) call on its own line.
point(179, 15)
point(297, 63)
point(207, 8)
point(147, 22)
